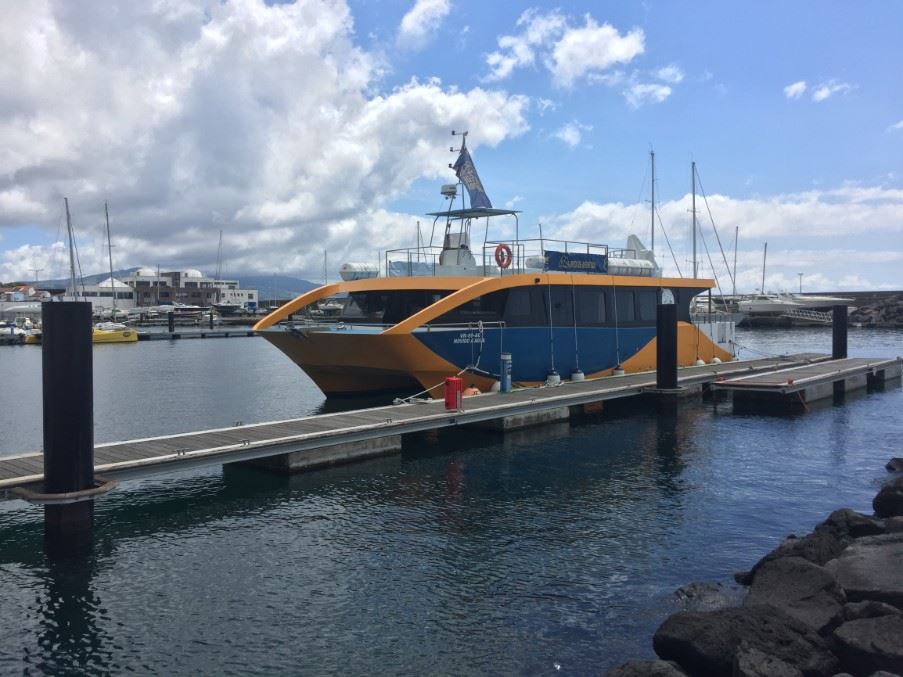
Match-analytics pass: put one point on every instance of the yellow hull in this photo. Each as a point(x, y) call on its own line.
point(97, 336)
point(114, 336)
point(348, 364)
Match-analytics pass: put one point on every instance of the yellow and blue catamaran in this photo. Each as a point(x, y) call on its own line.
point(578, 309)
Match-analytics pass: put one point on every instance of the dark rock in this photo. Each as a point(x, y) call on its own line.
point(804, 590)
point(853, 611)
point(869, 644)
point(706, 643)
point(895, 464)
point(893, 525)
point(889, 501)
point(703, 596)
point(872, 569)
point(743, 577)
point(884, 673)
point(846, 524)
point(818, 547)
point(751, 662)
point(646, 669)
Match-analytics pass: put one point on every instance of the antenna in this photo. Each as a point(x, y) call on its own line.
point(693, 209)
point(652, 231)
point(463, 136)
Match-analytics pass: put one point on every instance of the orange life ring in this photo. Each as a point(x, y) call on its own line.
point(503, 255)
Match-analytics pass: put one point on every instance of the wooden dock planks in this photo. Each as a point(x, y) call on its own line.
point(138, 458)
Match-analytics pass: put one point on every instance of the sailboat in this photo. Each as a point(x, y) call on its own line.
point(111, 332)
point(103, 332)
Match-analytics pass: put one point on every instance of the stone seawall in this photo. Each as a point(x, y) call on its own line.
point(883, 312)
point(827, 603)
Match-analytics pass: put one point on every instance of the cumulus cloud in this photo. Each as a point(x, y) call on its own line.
point(571, 134)
point(568, 52)
point(544, 106)
point(199, 116)
point(830, 88)
point(421, 21)
point(639, 94)
point(795, 90)
point(848, 214)
point(896, 127)
point(671, 74)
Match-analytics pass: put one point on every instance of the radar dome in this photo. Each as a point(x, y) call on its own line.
point(146, 272)
point(191, 272)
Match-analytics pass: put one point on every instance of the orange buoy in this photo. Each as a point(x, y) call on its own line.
point(503, 255)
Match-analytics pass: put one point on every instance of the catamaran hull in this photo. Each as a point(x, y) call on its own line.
point(346, 363)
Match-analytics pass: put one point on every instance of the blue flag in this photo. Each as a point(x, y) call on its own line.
point(467, 174)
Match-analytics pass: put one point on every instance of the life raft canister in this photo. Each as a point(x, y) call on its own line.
point(503, 255)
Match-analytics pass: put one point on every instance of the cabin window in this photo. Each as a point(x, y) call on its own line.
point(624, 306)
point(525, 306)
point(590, 306)
point(646, 302)
point(364, 307)
point(486, 308)
point(388, 307)
point(518, 303)
point(559, 299)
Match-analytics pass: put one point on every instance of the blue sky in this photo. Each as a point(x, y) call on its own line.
point(307, 126)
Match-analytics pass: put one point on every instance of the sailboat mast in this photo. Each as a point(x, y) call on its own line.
point(736, 235)
point(219, 257)
point(693, 172)
point(764, 256)
point(652, 226)
point(71, 250)
point(106, 212)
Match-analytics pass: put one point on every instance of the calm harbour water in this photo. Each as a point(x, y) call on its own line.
point(553, 551)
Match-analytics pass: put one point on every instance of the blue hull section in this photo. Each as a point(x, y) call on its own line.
point(532, 352)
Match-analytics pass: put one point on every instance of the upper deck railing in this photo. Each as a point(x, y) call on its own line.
point(525, 255)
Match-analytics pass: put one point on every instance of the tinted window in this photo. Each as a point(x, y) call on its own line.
point(624, 306)
point(646, 301)
point(525, 307)
point(519, 303)
point(389, 307)
point(590, 306)
point(560, 300)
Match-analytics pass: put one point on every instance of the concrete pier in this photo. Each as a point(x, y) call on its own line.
point(527, 420)
point(333, 454)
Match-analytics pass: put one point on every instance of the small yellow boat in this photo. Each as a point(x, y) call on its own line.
point(105, 332)
point(113, 332)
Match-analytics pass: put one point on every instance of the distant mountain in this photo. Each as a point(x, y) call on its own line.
point(269, 286)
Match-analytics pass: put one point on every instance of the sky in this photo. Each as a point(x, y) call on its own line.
point(325, 126)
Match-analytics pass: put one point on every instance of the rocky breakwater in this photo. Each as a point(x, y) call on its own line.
point(883, 313)
point(827, 603)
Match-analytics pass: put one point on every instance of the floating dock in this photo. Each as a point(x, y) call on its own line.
point(194, 334)
point(804, 384)
point(342, 437)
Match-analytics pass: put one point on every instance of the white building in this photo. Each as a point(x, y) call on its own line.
point(101, 296)
point(190, 287)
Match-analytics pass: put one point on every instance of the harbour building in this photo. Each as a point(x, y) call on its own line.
point(189, 287)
